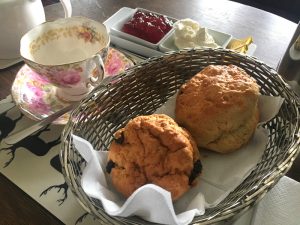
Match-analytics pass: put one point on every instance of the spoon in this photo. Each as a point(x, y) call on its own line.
point(20, 135)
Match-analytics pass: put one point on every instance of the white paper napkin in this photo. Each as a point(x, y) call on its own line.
point(221, 174)
point(150, 202)
point(280, 206)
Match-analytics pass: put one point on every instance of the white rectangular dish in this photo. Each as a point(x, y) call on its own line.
point(145, 50)
point(116, 28)
point(221, 39)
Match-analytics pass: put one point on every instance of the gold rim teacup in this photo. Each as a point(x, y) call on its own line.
point(69, 53)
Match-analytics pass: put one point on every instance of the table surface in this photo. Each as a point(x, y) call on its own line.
point(271, 34)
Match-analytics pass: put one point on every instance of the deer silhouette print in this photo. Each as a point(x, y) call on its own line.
point(32, 143)
point(7, 124)
point(55, 163)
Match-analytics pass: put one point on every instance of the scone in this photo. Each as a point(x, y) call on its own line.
point(219, 107)
point(153, 149)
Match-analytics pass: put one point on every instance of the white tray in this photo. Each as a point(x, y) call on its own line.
point(136, 47)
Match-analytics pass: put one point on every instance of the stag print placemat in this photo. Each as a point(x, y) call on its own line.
point(33, 165)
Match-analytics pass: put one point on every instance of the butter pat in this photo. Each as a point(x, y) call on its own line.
point(189, 34)
point(240, 45)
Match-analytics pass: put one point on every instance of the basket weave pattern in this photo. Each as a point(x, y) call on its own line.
point(144, 88)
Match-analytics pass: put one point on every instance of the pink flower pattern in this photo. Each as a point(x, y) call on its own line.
point(114, 66)
point(40, 106)
point(36, 76)
point(67, 78)
point(116, 63)
point(87, 36)
point(35, 92)
point(35, 97)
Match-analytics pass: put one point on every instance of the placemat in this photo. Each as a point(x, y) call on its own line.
point(33, 165)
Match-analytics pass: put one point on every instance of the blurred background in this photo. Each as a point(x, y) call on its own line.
point(289, 9)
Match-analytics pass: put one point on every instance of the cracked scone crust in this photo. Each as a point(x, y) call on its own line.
point(219, 106)
point(153, 149)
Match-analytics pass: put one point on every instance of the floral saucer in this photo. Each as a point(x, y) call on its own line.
point(36, 97)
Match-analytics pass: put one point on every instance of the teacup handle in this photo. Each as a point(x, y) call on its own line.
point(67, 7)
point(100, 67)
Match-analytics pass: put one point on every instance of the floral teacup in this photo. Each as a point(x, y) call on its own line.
point(69, 53)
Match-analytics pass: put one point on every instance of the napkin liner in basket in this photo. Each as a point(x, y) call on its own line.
point(221, 175)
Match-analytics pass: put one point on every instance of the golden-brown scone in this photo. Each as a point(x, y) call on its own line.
point(219, 107)
point(153, 149)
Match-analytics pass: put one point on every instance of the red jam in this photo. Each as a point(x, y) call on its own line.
point(148, 26)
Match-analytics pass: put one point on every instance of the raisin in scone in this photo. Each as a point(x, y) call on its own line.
point(219, 107)
point(153, 149)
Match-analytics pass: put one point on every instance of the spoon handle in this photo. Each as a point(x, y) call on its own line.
point(20, 135)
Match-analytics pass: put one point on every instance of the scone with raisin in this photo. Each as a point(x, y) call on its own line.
point(219, 107)
point(153, 149)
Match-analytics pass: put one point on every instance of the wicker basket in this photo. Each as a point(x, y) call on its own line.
point(144, 88)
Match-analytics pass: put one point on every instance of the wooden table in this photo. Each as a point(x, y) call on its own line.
point(271, 34)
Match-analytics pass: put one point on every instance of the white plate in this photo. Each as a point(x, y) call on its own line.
point(134, 47)
point(116, 29)
point(251, 49)
point(221, 39)
point(126, 44)
point(117, 16)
